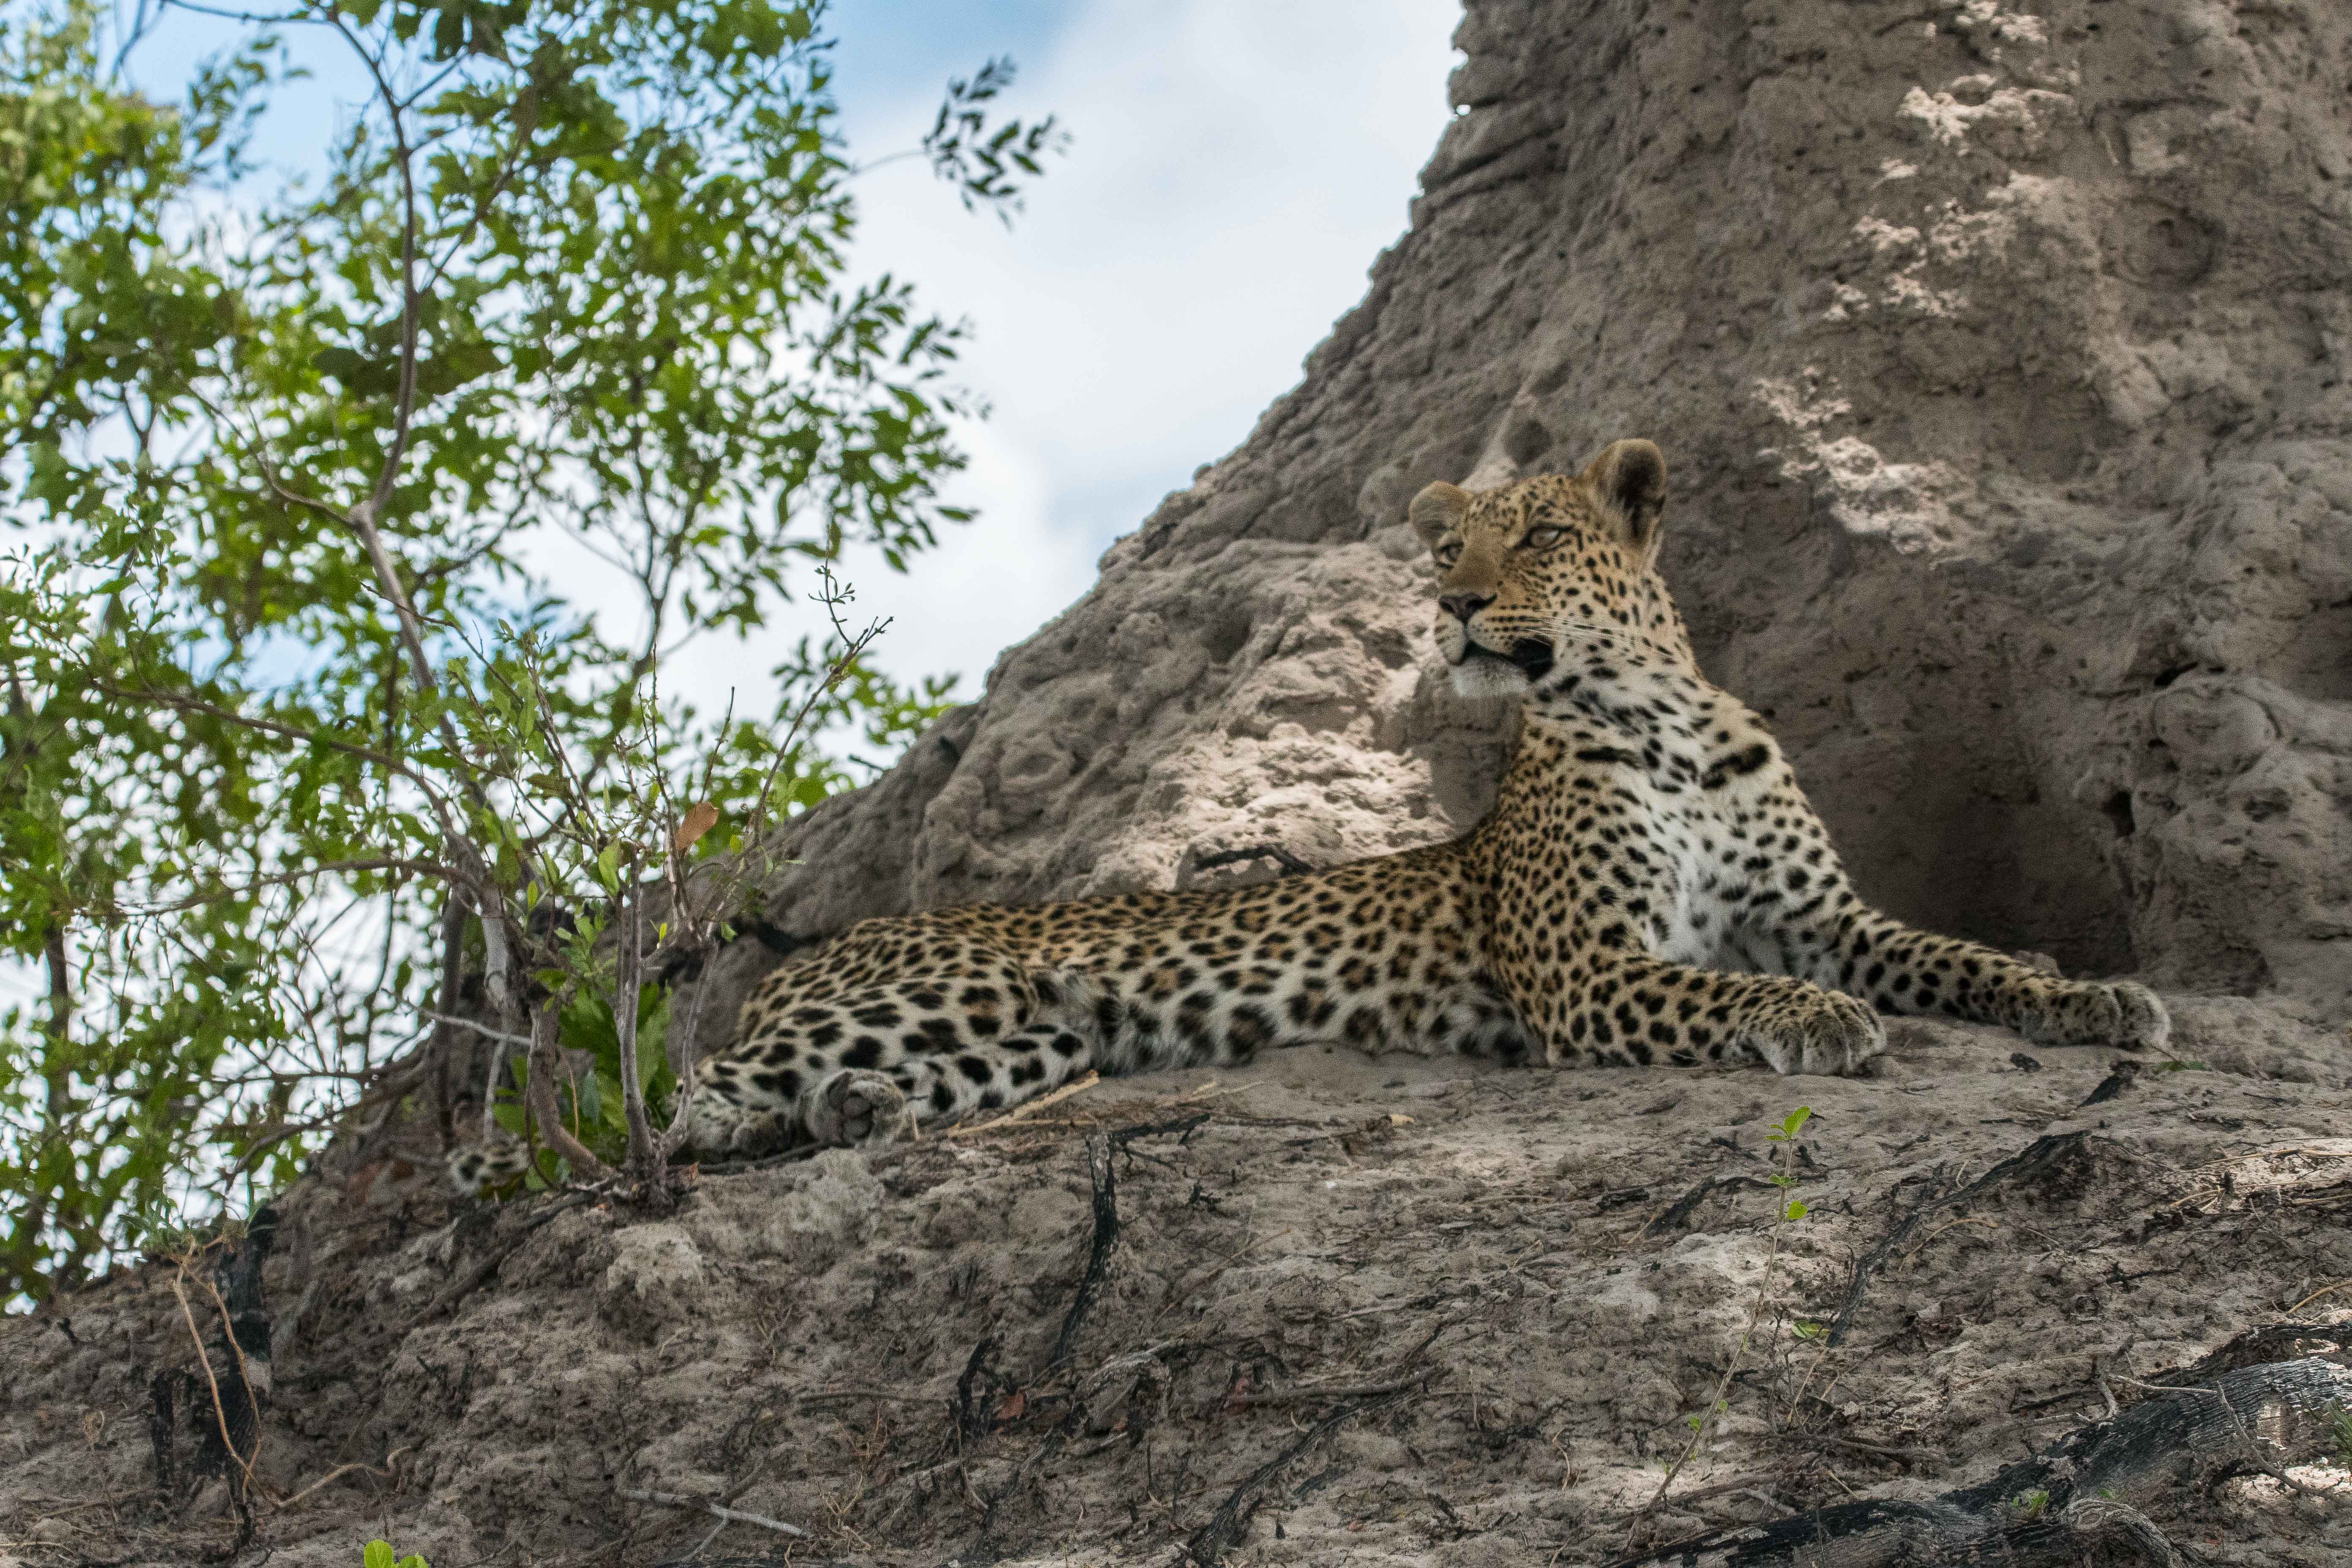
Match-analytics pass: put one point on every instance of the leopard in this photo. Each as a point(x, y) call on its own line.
point(1651, 888)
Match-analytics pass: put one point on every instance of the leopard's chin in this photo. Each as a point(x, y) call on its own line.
point(1483, 672)
point(1485, 679)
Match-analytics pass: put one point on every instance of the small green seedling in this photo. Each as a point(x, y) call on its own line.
point(379, 1555)
point(1786, 1208)
point(1784, 1132)
point(1807, 1329)
point(2028, 1506)
point(2340, 1433)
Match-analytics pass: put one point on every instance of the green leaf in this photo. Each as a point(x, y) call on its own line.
point(378, 1554)
point(354, 371)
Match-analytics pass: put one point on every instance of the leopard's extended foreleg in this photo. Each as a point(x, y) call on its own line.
point(1633, 1010)
point(1900, 969)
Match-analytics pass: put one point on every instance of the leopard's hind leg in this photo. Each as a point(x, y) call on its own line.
point(868, 1066)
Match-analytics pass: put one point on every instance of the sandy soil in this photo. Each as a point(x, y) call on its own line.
point(1475, 1307)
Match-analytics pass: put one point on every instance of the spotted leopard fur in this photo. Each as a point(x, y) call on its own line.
point(1651, 887)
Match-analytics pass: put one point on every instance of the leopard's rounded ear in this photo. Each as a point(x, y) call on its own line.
point(1436, 509)
point(1631, 477)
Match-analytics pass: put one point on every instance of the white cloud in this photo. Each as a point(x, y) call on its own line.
point(947, 613)
point(1236, 165)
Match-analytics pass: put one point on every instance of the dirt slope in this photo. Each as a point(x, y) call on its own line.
point(1491, 1268)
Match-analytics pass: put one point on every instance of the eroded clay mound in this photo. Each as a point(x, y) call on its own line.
point(2000, 353)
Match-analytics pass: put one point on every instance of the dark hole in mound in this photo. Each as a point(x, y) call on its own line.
point(2118, 810)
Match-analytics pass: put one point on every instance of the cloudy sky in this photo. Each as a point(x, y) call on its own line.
point(1234, 167)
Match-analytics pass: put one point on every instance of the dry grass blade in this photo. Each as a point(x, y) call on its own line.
point(340, 1471)
point(1022, 1113)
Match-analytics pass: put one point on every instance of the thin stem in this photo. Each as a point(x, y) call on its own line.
point(404, 406)
point(474, 874)
point(453, 954)
point(546, 1062)
point(1714, 1402)
point(645, 1158)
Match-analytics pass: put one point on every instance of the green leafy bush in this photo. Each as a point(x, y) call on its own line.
point(289, 719)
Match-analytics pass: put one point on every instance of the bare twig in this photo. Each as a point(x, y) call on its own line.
point(546, 1063)
point(1921, 1455)
point(889, 1396)
point(186, 704)
point(646, 1157)
point(340, 1471)
point(732, 1515)
point(466, 1283)
point(204, 1360)
point(2315, 1295)
point(484, 1030)
point(1291, 864)
point(1334, 1391)
point(1678, 1213)
point(1704, 1419)
point(453, 953)
point(280, 878)
point(978, 1380)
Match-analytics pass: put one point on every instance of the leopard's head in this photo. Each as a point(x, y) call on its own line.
point(1553, 569)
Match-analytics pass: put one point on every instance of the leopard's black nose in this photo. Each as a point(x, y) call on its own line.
point(1462, 606)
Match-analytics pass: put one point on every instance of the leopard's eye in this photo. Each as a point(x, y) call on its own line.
point(1544, 538)
point(1449, 552)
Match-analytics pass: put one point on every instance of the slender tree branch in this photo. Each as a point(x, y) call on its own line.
point(404, 405)
point(546, 1062)
point(280, 878)
point(186, 704)
point(443, 1044)
point(628, 983)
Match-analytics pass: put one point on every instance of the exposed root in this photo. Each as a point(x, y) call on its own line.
point(2086, 1490)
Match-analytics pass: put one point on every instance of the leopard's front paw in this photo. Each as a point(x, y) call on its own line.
point(854, 1109)
point(1810, 1030)
point(721, 1129)
point(2119, 1012)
